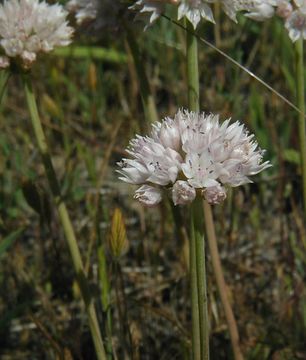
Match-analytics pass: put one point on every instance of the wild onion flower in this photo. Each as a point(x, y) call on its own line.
point(28, 27)
point(191, 155)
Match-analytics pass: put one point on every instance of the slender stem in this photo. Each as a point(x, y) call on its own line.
point(196, 339)
point(197, 255)
point(147, 97)
point(222, 288)
point(197, 215)
point(4, 77)
point(65, 220)
point(192, 69)
point(300, 90)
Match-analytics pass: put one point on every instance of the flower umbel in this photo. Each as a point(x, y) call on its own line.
point(192, 151)
point(28, 27)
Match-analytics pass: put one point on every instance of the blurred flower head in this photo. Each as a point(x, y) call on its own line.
point(29, 27)
point(258, 10)
point(195, 10)
point(191, 154)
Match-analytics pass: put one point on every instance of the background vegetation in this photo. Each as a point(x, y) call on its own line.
point(90, 105)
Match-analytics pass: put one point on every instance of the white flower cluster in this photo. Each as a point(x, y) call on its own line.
point(195, 10)
point(28, 27)
point(292, 11)
point(192, 153)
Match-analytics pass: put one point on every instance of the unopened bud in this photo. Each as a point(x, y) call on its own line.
point(214, 194)
point(183, 193)
point(148, 195)
point(118, 242)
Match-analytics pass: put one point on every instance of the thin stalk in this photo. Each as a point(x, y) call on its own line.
point(65, 220)
point(200, 326)
point(222, 288)
point(192, 69)
point(197, 216)
point(196, 338)
point(4, 77)
point(147, 97)
point(300, 92)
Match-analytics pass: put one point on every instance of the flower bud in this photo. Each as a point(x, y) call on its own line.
point(183, 193)
point(4, 62)
point(261, 11)
point(284, 9)
point(117, 238)
point(214, 194)
point(148, 195)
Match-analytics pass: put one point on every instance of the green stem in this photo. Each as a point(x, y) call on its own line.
point(65, 220)
point(300, 90)
point(197, 255)
point(192, 69)
point(4, 77)
point(197, 216)
point(196, 337)
point(147, 97)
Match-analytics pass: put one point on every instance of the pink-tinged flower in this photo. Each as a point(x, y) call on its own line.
point(4, 62)
point(296, 24)
point(149, 10)
point(29, 27)
point(284, 9)
point(192, 151)
point(148, 195)
point(167, 133)
point(214, 194)
point(152, 162)
point(183, 193)
point(200, 170)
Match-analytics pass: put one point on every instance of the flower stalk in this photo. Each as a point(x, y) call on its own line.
point(192, 69)
point(65, 220)
point(300, 92)
point(200, 322)
point(196, 335)
point(193, 101)
point(198, 239)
